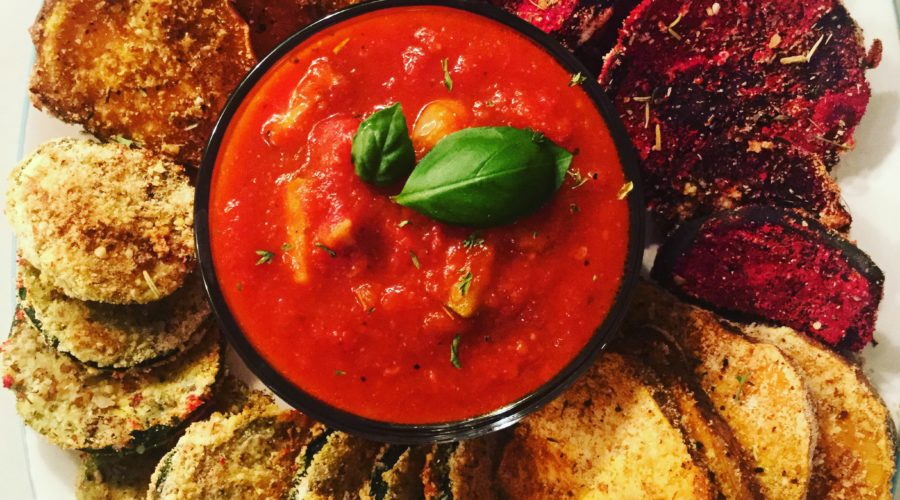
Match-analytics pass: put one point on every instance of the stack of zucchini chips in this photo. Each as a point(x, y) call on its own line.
point(113, 351)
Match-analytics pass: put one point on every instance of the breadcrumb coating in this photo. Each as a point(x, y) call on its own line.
point(103, 222)
point(154, 71)
point(115, 336)
point(78, 407)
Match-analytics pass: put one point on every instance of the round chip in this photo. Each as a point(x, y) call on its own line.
point(103, 222)
point(157, 72)
point(114, 336)
point(78, 407)
point(247, 455)
point(751, 78)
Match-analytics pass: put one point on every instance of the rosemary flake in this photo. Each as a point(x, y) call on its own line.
point(265, 257)
point(454, 352)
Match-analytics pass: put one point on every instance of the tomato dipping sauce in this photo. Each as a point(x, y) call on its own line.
point(372, 307)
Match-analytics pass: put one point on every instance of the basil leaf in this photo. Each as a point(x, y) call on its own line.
point(382, 151)
point(486, 176)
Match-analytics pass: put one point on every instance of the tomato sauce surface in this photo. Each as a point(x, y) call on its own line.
point(358, 300)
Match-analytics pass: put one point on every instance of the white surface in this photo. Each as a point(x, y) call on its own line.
point(869, 177)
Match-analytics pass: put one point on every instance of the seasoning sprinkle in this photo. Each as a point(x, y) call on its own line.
point(403, 223)
point(646, 114)
point(265, 257)
point(465, 281)
point(454, 352)
point(624, 190)
point(775, 41)
point(448, 82)
point(285, 247)
point(473, 240)
point(658, 145)
point(340, 373)
point(415, 259)
point(803, 58)
point(192, 126)
point(325, 249)
point(577, 79)
point(574, 208)
point(151, 284)
point(741, 380)
point(641, 98)
point(340, 46)
point(576, 176)
point(671, 30)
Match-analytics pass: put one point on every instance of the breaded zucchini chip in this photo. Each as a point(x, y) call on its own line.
point(463, 470)
point(754, 387)
point(78, 407)
point(114, 336)
point(333, 465)
point(606, 437)
point(157, 72)
point(245, 455)
point(396, 475)
point(103, 222)
point(115, 477)
point(127, 476)
point(855, 456)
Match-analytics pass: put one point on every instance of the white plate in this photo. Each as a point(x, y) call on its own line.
point(869, 177)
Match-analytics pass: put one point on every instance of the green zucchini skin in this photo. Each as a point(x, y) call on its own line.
point(396, 474)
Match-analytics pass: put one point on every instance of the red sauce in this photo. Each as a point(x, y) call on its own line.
point(361, 300)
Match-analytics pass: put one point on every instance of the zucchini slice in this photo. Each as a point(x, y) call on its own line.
point(333, 465)
point(396, 475)
point(115, 336)
point(116, 477)
point(245, 455)
point(79, 407)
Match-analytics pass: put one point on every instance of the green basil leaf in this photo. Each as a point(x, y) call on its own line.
point(382, 151)
point(486, 176)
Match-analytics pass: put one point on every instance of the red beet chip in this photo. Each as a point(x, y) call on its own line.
point(773, 265)
point(692, 78)
point(587, 27)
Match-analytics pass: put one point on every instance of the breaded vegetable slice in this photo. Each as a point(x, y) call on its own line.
point(754, 387)
point(116, 477)
point(333, 465)
point(714, 94)
point(855, 455)
point(114, 336)
point(155, 72)
point(711, 441)
point(396, 475)
point(586, 27)
point(249, 454)
point(78, 407)
point(103, 222)
point(606, 437)
point(772, 265)
point(463, 470)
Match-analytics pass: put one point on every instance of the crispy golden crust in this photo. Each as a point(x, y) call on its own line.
point(115, 477)
point(245, 455)
point(606, 437)
point(103, 222)
point(155, 71)
point(115, 336)
point(753, 386)
point(396, 477)
point(78, 407)
point(465, 470)
point(336, 470)
point(711, 441)
point(855, 451)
